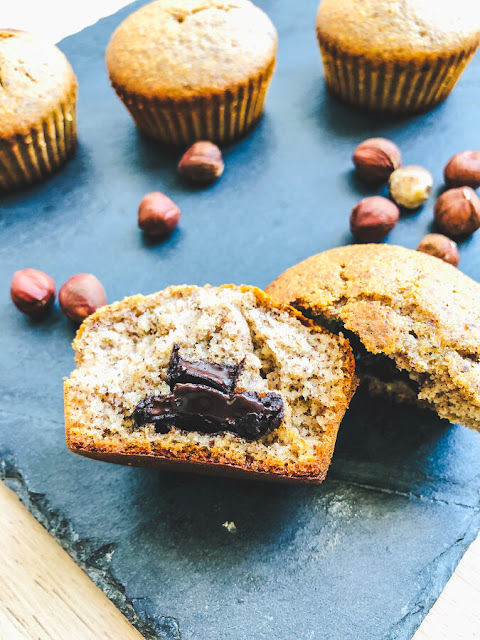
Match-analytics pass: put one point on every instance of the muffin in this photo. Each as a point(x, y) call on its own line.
point(396, 56)
point(192, 70)
point(38, 92)
point(413, 322)
point(210, 379)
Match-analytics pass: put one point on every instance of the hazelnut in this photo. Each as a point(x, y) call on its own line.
point(80, 296)
point(373, 218)
point(441, 247)
point(375, 159)
point(463, 170)
point(157, 215)
point(202, 163)
point(457, 212)
point(410, 186)
point(32, 292)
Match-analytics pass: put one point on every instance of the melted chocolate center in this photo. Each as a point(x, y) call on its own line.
point(203, 399)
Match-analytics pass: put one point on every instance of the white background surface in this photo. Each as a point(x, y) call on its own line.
point(55, 19)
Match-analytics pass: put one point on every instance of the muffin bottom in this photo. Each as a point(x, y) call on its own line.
point(395, 87)
point(25, 159)
point(220, 117)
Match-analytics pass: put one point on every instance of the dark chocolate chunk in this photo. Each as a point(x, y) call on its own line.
point(218, 376)
point(194, 407)
point(203, 399)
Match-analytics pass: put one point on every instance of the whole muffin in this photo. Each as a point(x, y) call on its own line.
point(396, 56)
point(38, 92)
point(193, 69)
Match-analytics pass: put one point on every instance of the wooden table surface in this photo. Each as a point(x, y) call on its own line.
point(44, 594)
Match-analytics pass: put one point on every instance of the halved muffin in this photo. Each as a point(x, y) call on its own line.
point(213, 379)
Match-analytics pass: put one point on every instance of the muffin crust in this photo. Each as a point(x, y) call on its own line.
point(407, 30)
point(178, 49)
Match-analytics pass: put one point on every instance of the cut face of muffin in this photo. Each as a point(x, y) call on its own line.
point(208, 379)
point(414, 321)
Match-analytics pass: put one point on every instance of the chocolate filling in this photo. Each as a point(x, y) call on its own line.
point(203, 399)
point(217, 376)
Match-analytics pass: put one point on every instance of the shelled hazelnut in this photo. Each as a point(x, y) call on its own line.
point(441, 247)
point(463, 170)
point(80, 296)
point(457, 212)
point(410, 186)
point(202, 163)
point(373, 218)
point(32, 292)
point(375, 159)
point(158, 216)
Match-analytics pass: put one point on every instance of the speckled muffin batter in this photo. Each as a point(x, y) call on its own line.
point(417, 315)
point(37, 109)
point(123, 355)
point(193, 69)
point(396, 55)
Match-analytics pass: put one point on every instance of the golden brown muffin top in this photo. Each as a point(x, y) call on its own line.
point(400, 28)
point(178, 48)
point(410, 282)
point(35, 77)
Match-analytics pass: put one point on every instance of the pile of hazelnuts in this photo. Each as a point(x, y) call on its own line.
point(33, 292)
point(456, 211)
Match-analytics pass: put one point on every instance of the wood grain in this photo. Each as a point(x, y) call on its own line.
point(456, 614)
point(44, 595)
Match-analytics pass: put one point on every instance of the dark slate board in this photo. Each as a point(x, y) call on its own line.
point(361, 557)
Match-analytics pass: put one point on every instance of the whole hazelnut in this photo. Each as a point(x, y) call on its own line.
point(80, 296)
point(410, 186)
point(463, 170)
point(373, 218)
point(157, 215)
point(375, 159)
point(457, 212)
point(32, 292)
point(441, 247)
point(202, 163)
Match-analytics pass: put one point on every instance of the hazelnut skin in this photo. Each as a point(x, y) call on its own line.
point(202, 163)
point(457, 212)
point(463, 170)
point(32, 292)
point(410, 186)
point(158, 216)
point(373, 218)
point(441, 247)
point(375, 159)
point(80, 296)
